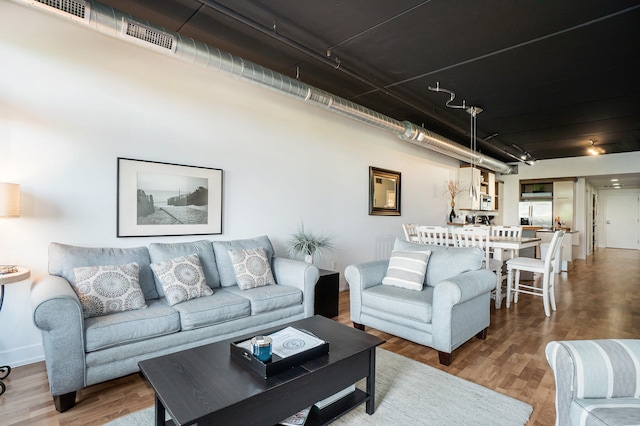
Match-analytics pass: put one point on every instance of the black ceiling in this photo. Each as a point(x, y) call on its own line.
point(549, 75)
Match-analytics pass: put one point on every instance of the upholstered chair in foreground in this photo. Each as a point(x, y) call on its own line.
point(597, 381)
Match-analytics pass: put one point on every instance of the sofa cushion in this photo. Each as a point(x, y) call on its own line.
point(252, 268)
point(131, 326)
point(225, 267)
point(445, 262)
point(605, 411)
point(406, 269)
point(159, 252)
point(63, 259)
point(108, 289)
point(414, 305)
point(269, 298)
point(181, 278)
point(222, 306)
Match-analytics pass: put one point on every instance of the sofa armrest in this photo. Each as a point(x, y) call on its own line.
point(360, 277)
point(298, 274)
point(593, 369)
point(58, 314)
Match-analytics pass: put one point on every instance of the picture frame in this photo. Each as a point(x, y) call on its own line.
point(384, 192)
point(163, 199)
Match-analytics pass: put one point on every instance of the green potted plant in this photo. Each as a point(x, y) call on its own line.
point(307, 246)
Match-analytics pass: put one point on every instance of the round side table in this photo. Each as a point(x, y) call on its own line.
point(10, 278)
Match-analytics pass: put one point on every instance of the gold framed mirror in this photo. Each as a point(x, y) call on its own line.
point(384, 192)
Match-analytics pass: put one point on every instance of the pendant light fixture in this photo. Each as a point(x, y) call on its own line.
point(473, 111)
point(473, 145)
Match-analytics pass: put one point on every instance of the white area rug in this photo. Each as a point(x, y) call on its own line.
point(411, 393)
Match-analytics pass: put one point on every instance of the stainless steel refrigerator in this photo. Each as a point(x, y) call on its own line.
point(536, 213)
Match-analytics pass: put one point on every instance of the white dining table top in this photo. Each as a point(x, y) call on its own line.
point(514, 243)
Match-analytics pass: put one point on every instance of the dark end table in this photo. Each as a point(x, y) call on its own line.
point(326, 294)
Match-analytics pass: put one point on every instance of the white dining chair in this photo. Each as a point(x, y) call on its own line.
point(538, 266)
point(438, 235)
point(478, 236)
point(508, 231)
point(410, 233)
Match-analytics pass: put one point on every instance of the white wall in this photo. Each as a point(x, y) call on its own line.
point(73, 100)
point(568, 167)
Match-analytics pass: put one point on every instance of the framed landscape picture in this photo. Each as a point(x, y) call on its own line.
point(158, 199)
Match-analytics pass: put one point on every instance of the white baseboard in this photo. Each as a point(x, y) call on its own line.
point(22, 356)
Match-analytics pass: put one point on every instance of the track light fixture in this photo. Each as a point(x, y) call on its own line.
point(593, 150)
point(525, 156)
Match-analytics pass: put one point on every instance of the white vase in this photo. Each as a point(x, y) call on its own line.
point(308, 258)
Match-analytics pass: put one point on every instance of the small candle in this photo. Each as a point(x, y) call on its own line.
point(261, 348)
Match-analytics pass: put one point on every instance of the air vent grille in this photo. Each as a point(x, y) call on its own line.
point(149, 35)
point(76, 8)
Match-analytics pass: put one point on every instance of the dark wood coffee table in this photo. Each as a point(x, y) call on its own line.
point(205, 385)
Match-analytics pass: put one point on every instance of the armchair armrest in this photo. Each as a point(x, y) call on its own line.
point(463, 287)
point(449, 320)
point(302, 275)
point(585, 369)
point(360, 277)
point(58, 314)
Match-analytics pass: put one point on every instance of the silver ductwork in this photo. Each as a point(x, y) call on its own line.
point(110, 21)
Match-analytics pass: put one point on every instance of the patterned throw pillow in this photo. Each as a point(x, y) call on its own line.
point(407, 269)
point(252, 268)
point(107, 289)
point(181, 278)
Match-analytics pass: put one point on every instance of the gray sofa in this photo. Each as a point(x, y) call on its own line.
point(81, 351)
point(597, 381)
point(451, 307)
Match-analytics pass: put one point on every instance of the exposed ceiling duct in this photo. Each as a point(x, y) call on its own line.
point(110, 21)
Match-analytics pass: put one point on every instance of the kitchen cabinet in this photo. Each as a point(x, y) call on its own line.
point(563, 193)
point(485, 185)
point(499, 202)
point(533, 190)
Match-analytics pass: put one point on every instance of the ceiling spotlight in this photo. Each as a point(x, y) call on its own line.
point(592, 149)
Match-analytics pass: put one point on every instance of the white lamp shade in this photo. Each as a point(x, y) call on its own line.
point(9, 199)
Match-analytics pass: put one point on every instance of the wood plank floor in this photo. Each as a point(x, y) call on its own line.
point(599, 298)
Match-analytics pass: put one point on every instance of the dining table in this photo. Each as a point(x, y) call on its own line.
point(501, 244)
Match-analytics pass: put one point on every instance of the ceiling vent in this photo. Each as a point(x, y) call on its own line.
point(74, 9)
point(147, 36)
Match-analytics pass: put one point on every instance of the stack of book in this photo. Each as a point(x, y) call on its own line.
point(8, 269)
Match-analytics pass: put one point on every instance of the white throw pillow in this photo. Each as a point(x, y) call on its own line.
point(107, 289)
point(407, 269)
point(182, 278)
point(252, 268)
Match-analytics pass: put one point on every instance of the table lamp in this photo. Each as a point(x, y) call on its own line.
point(9, 200)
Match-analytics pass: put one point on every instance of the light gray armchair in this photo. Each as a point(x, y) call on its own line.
point(597, 381)
point(452, 306)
